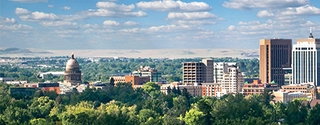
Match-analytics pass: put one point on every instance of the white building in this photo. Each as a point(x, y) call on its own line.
point(306, 61)
point(232, 80)
point(219, 69)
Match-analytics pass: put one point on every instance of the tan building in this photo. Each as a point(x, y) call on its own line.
point(275, 54)
point(257, 88)
point(285, 97)
point(72, 74)
point(198, 72)
point(303, 88)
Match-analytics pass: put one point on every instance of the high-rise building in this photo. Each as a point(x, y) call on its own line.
point(306, 61)
point(232, 81)
point(209, 70)
point(275, 54)
point(219, 69)
point(72, 74)
point(198, 72)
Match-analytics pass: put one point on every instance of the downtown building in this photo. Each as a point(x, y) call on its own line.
point(198, 72)
point(306, 61)
point(275, 55)
point(228, 77)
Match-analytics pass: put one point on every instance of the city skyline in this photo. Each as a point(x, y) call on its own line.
point(135, 24)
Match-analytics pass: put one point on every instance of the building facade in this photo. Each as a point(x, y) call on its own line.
point(306, 61)
point(232, 81)
point(212, 89)
point(154, 75)
point(198, 72)
point(219, 69)
point(275, 54)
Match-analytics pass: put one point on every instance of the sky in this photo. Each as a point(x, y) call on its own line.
point(154, 24)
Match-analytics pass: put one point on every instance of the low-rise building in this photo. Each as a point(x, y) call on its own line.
point(134, 80)
point(152, 73)
point(45, 86)
point(257, 88)
point(212, 89)
point(194, 90)
point(285, 97)
point(304, 88)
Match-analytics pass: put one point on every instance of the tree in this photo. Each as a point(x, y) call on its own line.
point(150, 87)
point(313, 117)
point(41, 107)
point(194, 117)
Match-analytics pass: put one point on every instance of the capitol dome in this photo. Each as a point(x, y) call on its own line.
point(72, 75)
point(72, 64)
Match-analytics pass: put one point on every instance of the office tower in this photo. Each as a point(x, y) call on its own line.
point(306, 61)
point(209, 70)
point(275, 54)
point(198, 72)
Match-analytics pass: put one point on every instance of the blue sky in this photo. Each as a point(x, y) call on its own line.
point(154, 24)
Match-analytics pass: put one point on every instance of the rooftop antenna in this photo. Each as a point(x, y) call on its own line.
point(310, 36)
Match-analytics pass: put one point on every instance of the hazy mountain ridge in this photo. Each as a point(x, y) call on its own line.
point(151, 53)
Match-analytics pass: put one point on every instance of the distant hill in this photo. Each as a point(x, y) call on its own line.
point(13, 50)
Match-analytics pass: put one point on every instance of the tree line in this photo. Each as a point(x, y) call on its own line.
point(171, 69)
point(121, 104)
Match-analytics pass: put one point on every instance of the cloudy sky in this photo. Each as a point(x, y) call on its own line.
point(154, 24)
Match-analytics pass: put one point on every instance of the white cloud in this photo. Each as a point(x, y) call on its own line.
point(250, 4)
point(174, 6)
point(191, 15)
point(111, 23)
point(66, 8)
point(7, 20)
point(169, 28)
point(303, 10)
point(21, 11)
point(43, 16)
point(30, 1)
point(15, 27)
point(26, 15)
point(109, 13)
point(130, 23)
point(195, 22)
point(58, 23)
point(133, 30)
point(114, 6)
point(265, 13)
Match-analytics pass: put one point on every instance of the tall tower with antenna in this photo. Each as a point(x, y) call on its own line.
point(310, 36)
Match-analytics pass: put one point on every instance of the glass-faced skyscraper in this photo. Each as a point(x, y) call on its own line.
point(306, 61)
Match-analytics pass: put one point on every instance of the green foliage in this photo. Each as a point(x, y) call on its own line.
point(313, 117)
point(194, 117)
